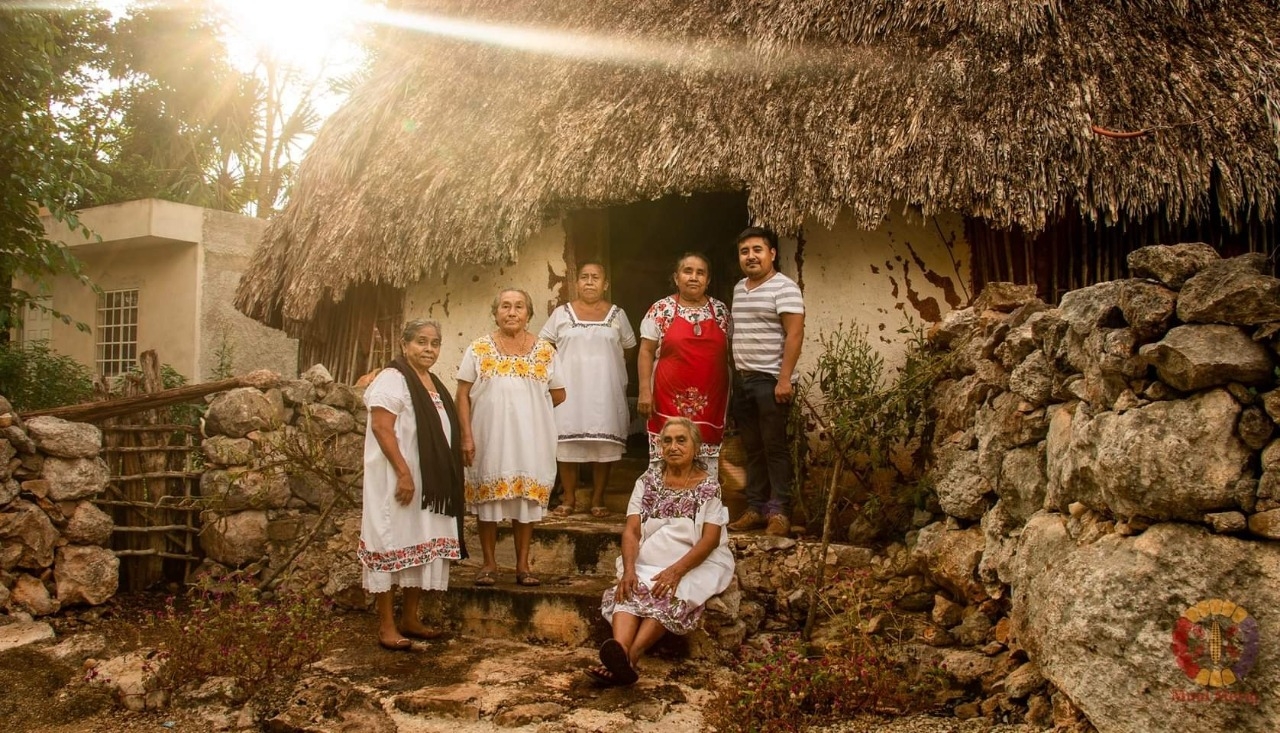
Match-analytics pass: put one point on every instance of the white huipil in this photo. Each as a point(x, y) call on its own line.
point(401, 544)
point(592, 421)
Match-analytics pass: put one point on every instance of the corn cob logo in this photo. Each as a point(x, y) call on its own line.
point(1215, 643)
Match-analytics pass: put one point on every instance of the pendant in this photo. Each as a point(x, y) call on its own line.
point(697, 328)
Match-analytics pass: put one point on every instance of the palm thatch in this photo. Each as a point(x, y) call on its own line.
point(456, 150)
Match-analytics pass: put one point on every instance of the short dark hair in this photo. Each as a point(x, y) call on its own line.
point(588, 263)
point(676, 270)
point(764, 233)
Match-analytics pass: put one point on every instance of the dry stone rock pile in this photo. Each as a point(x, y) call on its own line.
point(52, 538)
point(1111, 468)
point(267, 453)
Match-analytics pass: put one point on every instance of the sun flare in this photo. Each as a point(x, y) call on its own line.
point(306, 34)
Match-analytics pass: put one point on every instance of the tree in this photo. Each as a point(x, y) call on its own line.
point(44, 162)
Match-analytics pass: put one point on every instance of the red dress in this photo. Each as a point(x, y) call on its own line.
point(691, 378)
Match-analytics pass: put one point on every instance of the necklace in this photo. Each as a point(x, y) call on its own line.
point(512, 347)
point(686, 481)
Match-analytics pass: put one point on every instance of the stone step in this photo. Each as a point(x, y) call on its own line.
point(576, 545)
point(565, 609)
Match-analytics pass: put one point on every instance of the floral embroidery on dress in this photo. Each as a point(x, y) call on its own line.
point(660, 502)
point(664, 311)
point(492, 363)
point(508, 487)
point(690, 402)
point(677, 615)
point(391, 561)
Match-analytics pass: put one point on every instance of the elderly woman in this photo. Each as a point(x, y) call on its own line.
point(507, 391)
point(411, 526)
point(675, 555)
point(683, 364)
point(593, 340)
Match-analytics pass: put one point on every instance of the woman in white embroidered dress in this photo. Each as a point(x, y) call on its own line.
point(675, 555)
point(402, 540)
point(593, 340)
point(507, 392)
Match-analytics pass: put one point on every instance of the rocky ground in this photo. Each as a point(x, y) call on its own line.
point(454, 685)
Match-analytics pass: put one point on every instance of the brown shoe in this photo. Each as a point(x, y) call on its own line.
point(779, 526)
point(750, 519)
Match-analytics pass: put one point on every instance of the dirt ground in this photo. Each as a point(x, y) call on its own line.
point(453, 685)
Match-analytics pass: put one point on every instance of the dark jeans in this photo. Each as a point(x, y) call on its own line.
point(762, 424)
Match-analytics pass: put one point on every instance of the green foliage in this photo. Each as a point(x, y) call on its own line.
point(228, 629)
point(34, 377)
point(226, 355)
point(875, 422)
point(43, 160)
point(791, 686)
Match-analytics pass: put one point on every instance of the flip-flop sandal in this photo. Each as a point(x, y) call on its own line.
point(614, 658)
point(403, 645)
point(527, 579)
point(485, 579)
point(602, 676)
point(599, 512)
point(563, 510)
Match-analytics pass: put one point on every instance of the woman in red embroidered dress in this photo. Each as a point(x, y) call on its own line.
point(684, 360)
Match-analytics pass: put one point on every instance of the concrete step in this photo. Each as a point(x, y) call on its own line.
point(565, 609)
point(576, 545)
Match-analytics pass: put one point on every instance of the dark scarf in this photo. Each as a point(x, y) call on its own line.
point(440, 465)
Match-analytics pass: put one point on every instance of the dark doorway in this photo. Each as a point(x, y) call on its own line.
point(641, 242)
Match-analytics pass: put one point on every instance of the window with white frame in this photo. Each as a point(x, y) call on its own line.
point(117, 333)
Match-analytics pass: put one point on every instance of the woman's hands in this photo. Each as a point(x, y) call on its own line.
point(468, 450)
point(626, 587)
point(404, 489)
point(666, 582)
point(644, 402)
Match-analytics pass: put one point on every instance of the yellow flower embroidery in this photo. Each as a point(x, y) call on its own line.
point(487, 365)
point(540, 371)
point(482, 348)
point(523, 368)
point(504, 367)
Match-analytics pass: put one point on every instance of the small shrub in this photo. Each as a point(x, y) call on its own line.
point(792, 685)
point(35, 377)
point(229, 630)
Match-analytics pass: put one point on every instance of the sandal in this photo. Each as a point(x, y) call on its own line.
point(602, 676)
point(599, 512)
point(615, 659)
point(428, 635)
point(527, 579)
point(563, 510)
point(402, 645)
point(485, 579)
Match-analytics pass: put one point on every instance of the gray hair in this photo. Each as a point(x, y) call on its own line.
point(528, 300)
point(689, 425)
point(412, 328)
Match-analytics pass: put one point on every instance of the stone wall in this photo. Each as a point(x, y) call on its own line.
point(52, 538)
point(1108, 468)
point(276, 457)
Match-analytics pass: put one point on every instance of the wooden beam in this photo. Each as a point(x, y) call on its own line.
point(91, 411)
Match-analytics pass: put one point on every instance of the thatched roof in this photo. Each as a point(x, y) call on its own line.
point(456, 150)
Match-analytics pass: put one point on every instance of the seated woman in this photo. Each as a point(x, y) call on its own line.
point(675, 555)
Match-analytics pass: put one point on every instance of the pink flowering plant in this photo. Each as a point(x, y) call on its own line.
point(230, 629)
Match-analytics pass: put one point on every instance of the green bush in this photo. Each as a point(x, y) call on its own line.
point(229, 629)
point(35, 377)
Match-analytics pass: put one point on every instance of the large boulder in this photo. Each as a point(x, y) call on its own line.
point(30, 595)
point(1191, 358)
point(236, 539)
point(1004, 297)
point(962, 491)
point(1122, 625)
point(1237, 291)
point(318, 420)
point(238, 489)
point(74, 478)
point(1022, 483)
point(1147, 307)
point(57, 437)
point(1033, 379)
point(89, 525)
point(1172, 265)
point(222, 450)
point(238, 412)
point(28, 536)
point(1176, 459)
point(86, 575)
point(949, 557)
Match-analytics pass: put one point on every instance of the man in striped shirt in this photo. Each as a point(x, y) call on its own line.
point(768, 330)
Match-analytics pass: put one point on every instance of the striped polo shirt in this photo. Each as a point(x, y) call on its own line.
point(757, 322)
